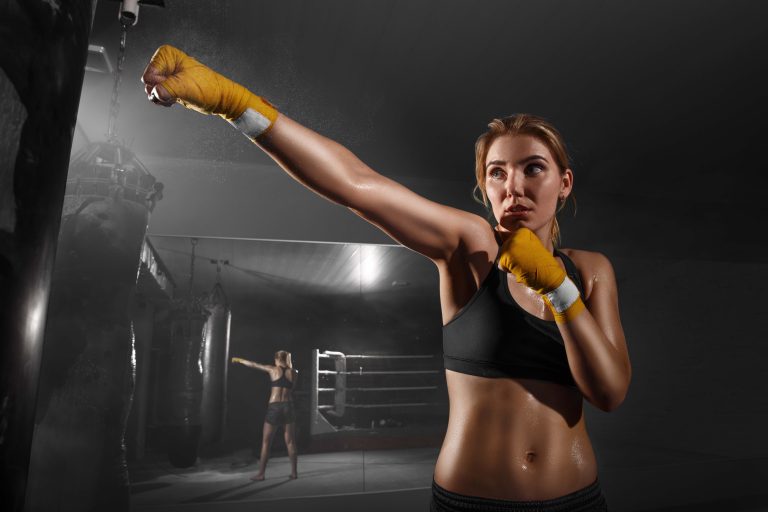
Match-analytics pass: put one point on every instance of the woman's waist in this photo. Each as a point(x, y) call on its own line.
point(279, 394)
point(514, 458)
point(279, 400)
point(589, 497)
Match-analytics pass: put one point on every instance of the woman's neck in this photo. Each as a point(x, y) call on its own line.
point(543, 234)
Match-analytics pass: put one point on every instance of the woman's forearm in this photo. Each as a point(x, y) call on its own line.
point(602, 372)
point(322, 164)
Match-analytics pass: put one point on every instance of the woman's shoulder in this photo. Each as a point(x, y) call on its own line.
point(475, 240)
point(476, 230)
point(585, 258)
point(592, 266)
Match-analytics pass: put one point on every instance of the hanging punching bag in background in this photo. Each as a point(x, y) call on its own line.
point(185, 382)
point(215, 357)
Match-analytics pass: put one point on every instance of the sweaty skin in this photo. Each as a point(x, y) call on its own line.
point(516, 439)
point(507, 438)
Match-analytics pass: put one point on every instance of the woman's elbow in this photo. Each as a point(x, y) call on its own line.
point(606, 403)
point(612, 396)
point(610, 404)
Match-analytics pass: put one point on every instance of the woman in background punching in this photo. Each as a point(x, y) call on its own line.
point(280, 411)
point(529, 330)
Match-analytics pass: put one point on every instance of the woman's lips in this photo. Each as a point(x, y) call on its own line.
point(517, 211)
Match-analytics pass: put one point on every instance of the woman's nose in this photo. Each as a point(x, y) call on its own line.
point(513, 184)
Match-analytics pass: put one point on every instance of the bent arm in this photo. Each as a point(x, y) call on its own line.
point(595, 344)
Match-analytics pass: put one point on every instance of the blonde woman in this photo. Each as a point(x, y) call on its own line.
point(280, 410)
point(530, 331)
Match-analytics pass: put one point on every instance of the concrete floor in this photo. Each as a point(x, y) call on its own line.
point(321, 474)
point(399, 480)
point(371, 480)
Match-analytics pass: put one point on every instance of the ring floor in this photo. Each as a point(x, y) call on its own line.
point(399, 480)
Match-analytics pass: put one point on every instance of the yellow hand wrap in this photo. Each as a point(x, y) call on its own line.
point(199, 88)
point(524, 256)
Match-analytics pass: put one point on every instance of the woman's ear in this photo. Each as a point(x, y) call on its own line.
point(566, 184)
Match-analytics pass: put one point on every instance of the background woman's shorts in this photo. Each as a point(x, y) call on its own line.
point(280, 413)
point(588, 499)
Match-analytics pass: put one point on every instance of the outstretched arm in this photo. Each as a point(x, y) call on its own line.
point(251, 364)
point(334, 172)
point(321, 164)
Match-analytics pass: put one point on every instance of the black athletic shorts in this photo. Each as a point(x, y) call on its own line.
point(588, 499)
point(280, 413)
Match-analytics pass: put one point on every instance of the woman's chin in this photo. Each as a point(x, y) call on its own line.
point(512, 224)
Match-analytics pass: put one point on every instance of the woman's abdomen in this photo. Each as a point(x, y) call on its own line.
point(514, 439)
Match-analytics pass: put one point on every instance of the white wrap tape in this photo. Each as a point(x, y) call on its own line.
point(251, 123)
point(563, 296)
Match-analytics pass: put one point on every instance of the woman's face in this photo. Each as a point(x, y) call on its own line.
point(523, 183)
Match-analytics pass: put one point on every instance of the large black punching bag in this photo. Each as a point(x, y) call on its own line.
point(86, 385)
point(43, 49)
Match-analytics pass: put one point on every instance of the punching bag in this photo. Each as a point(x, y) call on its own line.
point(185, 383)
point(88, 366)
point(215, 359)
point(43, 49)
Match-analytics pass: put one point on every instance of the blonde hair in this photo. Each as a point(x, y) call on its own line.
point(521, 124)
point(284, 357)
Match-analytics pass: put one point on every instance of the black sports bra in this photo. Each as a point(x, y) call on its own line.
point(492, 336)
point(282, 381)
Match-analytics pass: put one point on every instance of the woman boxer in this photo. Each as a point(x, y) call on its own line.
point(529, 330)
point(279, 410)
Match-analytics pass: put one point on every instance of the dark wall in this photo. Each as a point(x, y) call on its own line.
point(692, 427)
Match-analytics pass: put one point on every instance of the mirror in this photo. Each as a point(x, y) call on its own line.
point(362, 323)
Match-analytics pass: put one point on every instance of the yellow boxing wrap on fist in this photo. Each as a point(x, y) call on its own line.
point(199, 88)
point(524, 256)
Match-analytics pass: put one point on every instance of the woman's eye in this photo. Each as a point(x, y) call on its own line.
point(533, 169)
point(496, 173)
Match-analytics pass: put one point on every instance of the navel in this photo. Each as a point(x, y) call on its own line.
point(527, 461)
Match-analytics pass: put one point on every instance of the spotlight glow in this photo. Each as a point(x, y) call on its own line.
point(370, 265)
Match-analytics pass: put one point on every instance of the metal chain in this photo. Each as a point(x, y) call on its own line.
point(114, 106)
point(192, 267)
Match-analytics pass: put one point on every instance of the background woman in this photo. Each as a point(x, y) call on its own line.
point(279, 410)
point(529, 331)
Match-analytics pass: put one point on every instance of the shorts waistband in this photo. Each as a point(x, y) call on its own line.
point(589, 498)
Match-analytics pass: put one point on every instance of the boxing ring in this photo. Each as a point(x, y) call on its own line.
point(349, 390)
